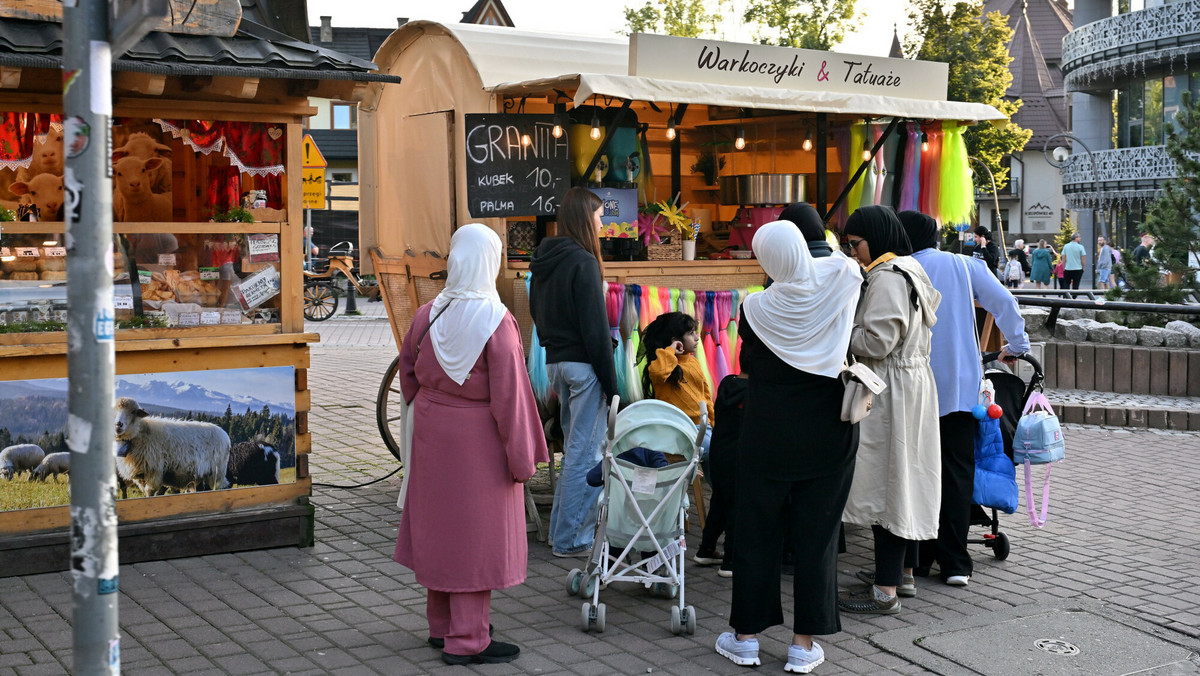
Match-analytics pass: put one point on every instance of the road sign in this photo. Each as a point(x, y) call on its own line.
point(312, 157)
point(313, 179)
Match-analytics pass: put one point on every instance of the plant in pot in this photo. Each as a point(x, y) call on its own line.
point(234, 215)
point(708, 164)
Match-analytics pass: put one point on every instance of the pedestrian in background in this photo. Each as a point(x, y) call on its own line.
point(1073, 257)
point(566, 301)
point(796, 454)
point(986, 250)
point(897, 478)
point(476, 438)
point(1041, 265)
point(957, 370)
point(1104, 263)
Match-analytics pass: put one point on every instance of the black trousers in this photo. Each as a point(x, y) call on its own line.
point(765, 511)
point(892, 555)
point(721, 474)
point(1071, 278)
point(958, 483)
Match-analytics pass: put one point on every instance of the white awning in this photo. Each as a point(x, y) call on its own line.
point(674, 91)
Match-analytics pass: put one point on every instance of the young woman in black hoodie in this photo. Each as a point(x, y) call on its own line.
point(566, 300)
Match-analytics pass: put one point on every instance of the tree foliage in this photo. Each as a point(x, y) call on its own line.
point(807, 24)
point(1174, 220)
point(683, 18)
point(976, 48)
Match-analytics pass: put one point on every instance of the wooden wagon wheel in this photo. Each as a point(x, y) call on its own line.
point(387, 407)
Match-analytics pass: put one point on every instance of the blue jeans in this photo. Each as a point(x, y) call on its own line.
point(584, 417)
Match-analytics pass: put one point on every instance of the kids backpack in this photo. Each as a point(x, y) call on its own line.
point(1013, 271)
point(1038, 440)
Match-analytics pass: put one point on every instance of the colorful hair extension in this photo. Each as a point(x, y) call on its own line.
point(957, 195)
point(664, 299)
point(854, 198)
point(535, 362)
point(687, 304)
point(910, 175)
point(931, 163)
point(614, 303)
point(628, 364)
point(890, 166)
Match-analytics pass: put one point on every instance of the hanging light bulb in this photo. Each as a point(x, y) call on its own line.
point(807, 145)
point(671, 134)
point(866, 153)
point(557, 131)
point(595, 134)
point(525, 140)
point(740, 141)
point(924, 142)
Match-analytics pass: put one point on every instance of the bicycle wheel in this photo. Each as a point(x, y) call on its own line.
point(320, 301)
point(387, 408)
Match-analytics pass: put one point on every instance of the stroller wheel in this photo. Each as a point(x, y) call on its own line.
point(600, 608)
point(689, 621)
point(1000, 546)
point(592, 581)
point(676, 620)
point(587, 616)
point(574, 581)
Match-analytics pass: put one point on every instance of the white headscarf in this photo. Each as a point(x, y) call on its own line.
point(461, 330)
point(805, 316)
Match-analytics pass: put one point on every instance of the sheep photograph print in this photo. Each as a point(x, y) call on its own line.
point(172, 433)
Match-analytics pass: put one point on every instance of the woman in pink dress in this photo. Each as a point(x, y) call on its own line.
point(476, 439)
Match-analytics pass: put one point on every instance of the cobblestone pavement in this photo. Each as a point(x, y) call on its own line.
point(1123, 532)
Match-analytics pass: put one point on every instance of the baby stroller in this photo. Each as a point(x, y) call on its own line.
point(1011, 395)
point(640, 520)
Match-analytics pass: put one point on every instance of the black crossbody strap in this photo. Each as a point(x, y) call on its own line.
point(430, 325)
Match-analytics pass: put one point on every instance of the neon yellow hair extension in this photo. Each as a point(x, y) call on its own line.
point(675, 300)
point(854, 198)
point(689, 302)
point(956, 194)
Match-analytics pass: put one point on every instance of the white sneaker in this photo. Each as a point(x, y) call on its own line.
point(958, 580)
point(801, 661)
point(743, 653)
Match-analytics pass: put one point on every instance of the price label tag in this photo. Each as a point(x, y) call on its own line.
point(156, 314)
point(55, 251)
point(123, 302)
point(231, 317)
point(210, 273)
point(263, 248)
point(189, 319)
point(166, 259)
point(644, 480)
point(27, 252)
point(210, 318)
point(144, 277)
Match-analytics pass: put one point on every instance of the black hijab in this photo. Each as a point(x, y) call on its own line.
point(921, 229)
point(880, 226)
point(809, 222)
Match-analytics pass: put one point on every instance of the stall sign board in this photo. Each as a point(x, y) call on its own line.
point(263, 248)
point(668, 57)
point(258, 288)
point(515, 165)
point(619, 212)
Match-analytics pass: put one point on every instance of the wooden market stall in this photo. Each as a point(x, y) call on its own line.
point(495, 124)
point(207, 132)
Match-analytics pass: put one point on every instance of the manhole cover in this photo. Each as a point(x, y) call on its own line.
point(1055, 646)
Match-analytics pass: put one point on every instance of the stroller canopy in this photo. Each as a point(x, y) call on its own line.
point(656, 425)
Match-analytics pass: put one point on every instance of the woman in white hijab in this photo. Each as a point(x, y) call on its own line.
point(476, 438)
point(796, 455)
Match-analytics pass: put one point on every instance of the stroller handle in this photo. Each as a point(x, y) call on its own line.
point(1027, 358)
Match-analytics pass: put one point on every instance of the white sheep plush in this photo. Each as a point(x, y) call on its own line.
point(53, 465)
point(20, 458)
point(157, 453)
point(133, 200)
point(44, 190)
point(142, 145)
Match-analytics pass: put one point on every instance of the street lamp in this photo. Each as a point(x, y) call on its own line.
point(1062, 157)
point(996, 209)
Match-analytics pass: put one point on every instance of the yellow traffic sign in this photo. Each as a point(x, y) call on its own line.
point(313, 180)
point(312, 157)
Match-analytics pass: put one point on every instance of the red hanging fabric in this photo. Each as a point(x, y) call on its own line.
point(274, 186)
point(224, 188)
point(16, 139)
point(256, 147)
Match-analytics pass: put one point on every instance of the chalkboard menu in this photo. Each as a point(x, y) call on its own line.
point(515, 166)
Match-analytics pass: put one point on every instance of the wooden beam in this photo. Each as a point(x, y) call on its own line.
point(237, 87)
point(10, 78)
point(194, 83)
point(187, 17)
point(150, 84)
point(302, 87)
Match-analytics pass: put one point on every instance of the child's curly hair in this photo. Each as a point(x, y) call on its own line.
point(664, 330)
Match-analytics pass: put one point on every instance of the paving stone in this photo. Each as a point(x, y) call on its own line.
point(1151, 336)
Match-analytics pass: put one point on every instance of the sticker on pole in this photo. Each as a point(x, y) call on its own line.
point(104, 325)
point(76, 135)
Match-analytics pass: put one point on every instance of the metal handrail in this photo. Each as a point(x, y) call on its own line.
point(1056, 304)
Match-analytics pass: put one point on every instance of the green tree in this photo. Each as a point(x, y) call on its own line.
point(976, 48)
point(807, 24)
point(683, 18)
point(1174, 220)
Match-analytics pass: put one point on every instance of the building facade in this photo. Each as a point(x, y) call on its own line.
point(1126, 65)
point(1031, 206)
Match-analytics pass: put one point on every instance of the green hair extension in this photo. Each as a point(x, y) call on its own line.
point(957, 192)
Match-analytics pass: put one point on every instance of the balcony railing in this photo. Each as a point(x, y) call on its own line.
point(1139, 38)
point(1122, 175)
point(1013, 189)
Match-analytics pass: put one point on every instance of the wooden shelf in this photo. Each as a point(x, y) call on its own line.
point(203, 227)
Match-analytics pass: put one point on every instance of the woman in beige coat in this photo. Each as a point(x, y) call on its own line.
point(897, 481)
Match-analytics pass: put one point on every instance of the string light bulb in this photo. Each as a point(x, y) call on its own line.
point(671, 134)
point(808, 142)
point(525, 140)
point(595, 133)
point(740, 141)
point(866, 153)
point(557, 131)
point(924, 142)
